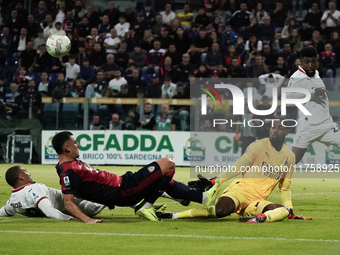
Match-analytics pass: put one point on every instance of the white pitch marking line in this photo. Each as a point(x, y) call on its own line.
point(308, 194)
point(175, 236)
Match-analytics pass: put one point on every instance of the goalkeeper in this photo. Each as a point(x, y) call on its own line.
point(264, 164)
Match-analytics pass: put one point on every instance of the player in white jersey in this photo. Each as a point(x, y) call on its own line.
point(319, 126)
point(37, 200)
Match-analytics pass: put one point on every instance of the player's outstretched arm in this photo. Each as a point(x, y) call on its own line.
point(5, 213)
point(72, 208)
point(286, 198)
point(46, 207)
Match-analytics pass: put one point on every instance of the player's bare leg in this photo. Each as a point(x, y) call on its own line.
point(299, 152)
point(166, 165)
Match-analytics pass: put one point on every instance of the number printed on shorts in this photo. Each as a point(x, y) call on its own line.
point(335, 129)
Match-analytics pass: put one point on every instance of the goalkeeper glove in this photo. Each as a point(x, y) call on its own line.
point(202, 184)
point(292, 216)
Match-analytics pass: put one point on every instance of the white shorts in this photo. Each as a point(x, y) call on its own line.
point(327, 133)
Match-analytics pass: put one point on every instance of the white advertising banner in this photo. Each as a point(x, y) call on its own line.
point(121, 147)
point(142, 147)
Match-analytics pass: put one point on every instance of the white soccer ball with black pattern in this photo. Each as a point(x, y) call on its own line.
point(58, 45)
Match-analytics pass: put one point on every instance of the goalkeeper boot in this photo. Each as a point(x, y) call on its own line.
point(147, 213)
point(258, 218)
point(213, 193)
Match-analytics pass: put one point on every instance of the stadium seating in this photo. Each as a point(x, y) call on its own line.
point(12, 63)
point(69, 116)
point(36, 77)
point(49, 116)
point(147, 77)
point(52, 77)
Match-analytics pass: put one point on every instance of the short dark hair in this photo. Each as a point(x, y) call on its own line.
point(59, 140)
point(12, 175)
point(265, 97)
point(309, 52)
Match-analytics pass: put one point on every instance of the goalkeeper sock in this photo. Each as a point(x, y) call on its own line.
point(196, 213)
point(277, 214)
point(181, 191)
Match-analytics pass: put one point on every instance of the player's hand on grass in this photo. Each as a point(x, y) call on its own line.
point(321, 92)
point(202, 184)
point(292, 216)
point(93, 221)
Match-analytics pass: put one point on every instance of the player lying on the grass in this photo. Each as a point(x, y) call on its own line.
point(149, 183)
point(37, 200)
point(320, 125)
point(267, 162)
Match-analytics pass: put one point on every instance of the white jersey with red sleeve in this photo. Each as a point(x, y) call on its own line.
point(318, 107)
point(35, 200)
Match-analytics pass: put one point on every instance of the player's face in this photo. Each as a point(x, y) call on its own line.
point(277, 132)
point(26, 176)
point(309, 65)
point(71, 146)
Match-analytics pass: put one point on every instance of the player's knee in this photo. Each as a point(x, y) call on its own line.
point(224, 207)
point(166, 165)
point(222, 211)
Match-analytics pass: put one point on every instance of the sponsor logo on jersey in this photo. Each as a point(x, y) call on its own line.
point(35, 196)
point(67, 181)
point(151, 169)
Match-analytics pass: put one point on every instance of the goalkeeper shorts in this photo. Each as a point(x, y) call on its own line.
point(247, 203)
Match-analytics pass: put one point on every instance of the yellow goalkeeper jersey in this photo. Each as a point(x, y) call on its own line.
point(267, 167)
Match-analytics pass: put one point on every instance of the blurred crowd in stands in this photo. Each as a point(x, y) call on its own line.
point(145, 52)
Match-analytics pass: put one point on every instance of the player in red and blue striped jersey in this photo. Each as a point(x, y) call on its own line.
point(149, 183)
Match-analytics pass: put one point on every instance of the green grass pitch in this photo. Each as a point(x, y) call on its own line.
point(122, 232)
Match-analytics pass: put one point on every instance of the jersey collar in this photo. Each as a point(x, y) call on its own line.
point(20, 188)
point(301, 70)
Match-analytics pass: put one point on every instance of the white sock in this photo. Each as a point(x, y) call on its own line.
point(148, 205)
point(134, 206)
point(204, 198)
point(174, 216)
point(166, 195)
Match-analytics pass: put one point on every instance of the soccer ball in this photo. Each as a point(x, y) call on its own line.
point(58, 45)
